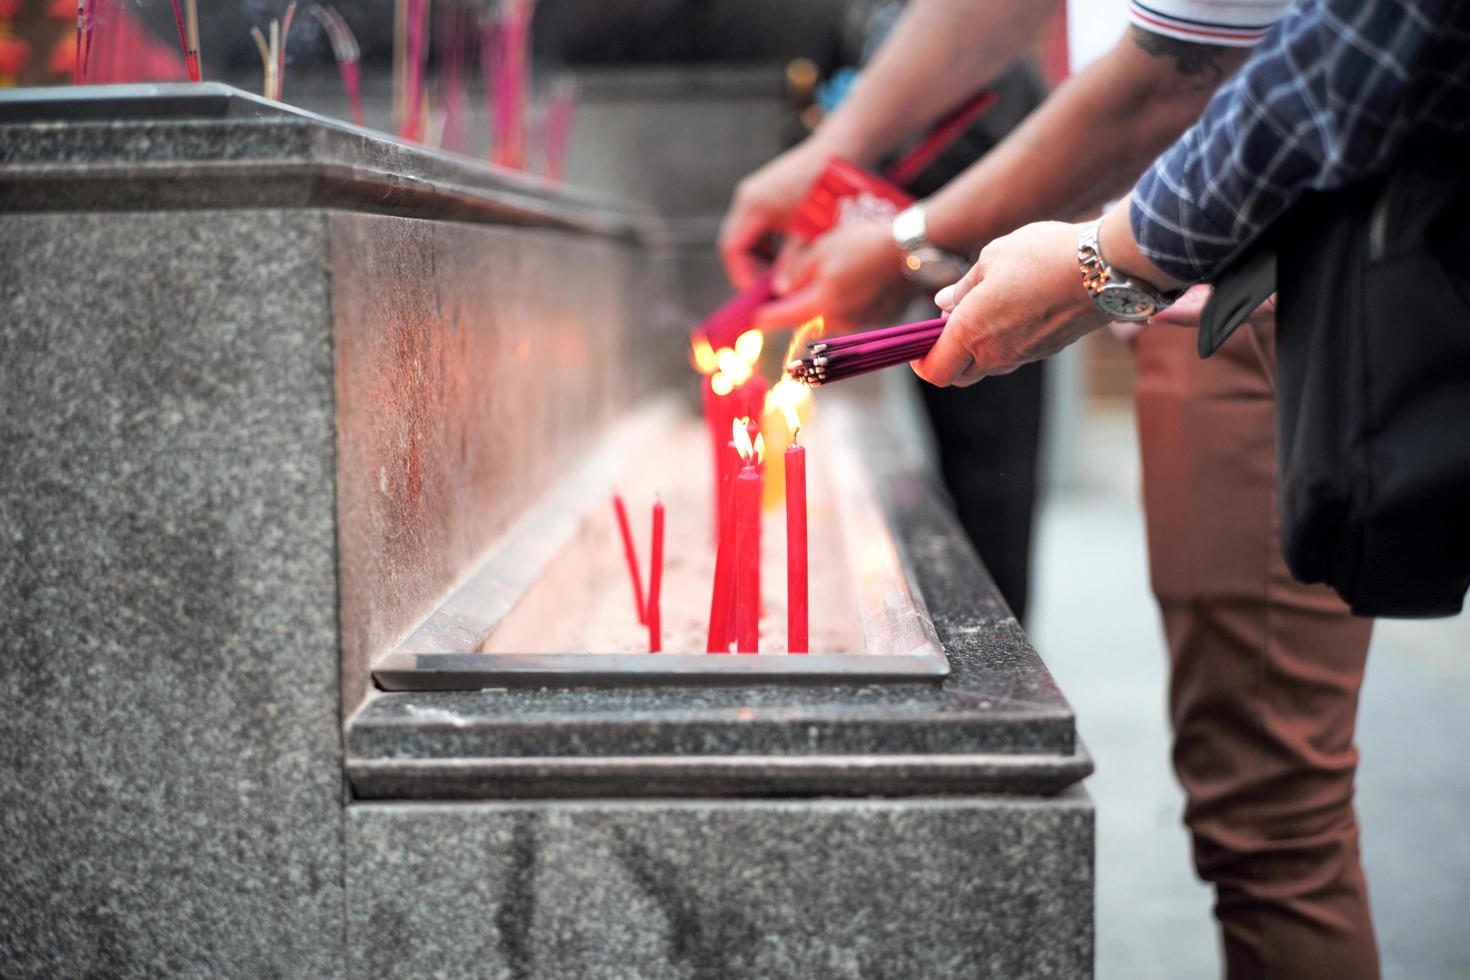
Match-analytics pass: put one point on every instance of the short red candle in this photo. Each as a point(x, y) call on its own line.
point(747, 494)
point(656, 578)
point(796, 557)
point(630, 554)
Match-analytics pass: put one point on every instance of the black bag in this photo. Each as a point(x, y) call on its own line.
point(1372, 381)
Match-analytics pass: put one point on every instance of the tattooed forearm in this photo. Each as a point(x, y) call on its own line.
point(1198, 62)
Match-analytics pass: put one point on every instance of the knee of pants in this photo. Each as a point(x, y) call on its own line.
point(1264, 718)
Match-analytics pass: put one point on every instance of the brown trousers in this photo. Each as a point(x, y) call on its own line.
point(1265, 672)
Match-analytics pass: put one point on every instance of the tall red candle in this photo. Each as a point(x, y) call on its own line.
point(656, 579)
point(796, 555)
point(722, 595)
point(747, 494)
point(630, 554)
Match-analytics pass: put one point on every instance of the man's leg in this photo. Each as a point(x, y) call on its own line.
point(986, 437)
point(1265, 671)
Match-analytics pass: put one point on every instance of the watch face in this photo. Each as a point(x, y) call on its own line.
point(1124, 302)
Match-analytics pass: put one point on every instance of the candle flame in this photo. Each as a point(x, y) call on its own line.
point(802, 336)
point(703, 355)
point(748, 345)
point(740, 435)
point(733, 366)
point(787, 396)
point(721, 385)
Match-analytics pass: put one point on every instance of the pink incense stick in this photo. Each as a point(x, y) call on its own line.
point(945, 132)
point(189, 64)
point(91, 28)
point(868, 336)
point(451, 91)
point(346, 52)
point(408, 127)
point(76, 68)
point(557, 128)
point(281, 54)
point(656, 579)
point(509, 150)
point(489, 69)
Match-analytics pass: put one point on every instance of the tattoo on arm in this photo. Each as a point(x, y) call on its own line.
point(1198, 62)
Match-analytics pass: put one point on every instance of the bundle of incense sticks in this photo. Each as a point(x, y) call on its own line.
point(860, 353)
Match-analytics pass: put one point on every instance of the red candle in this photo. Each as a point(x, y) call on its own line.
point(717, 419)
point(630, 554)
point(656, 578)
point(796, 567)
point(722, 596)
point(747, 494)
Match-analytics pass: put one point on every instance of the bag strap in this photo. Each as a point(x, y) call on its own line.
point(1247, 280)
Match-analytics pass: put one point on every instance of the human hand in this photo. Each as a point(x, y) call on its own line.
point(1021, 301)
point(851, 276)
point(762, 202)
point(1187, 310)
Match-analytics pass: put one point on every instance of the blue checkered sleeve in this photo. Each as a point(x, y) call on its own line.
point(1328, 96)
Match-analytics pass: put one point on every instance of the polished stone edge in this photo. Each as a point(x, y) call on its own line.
point(474, 671)
point(127, 147)
point(273, 185)
point(716, 776)
point(794, 729)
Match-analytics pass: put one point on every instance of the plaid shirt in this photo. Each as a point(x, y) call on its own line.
point(1329, 96)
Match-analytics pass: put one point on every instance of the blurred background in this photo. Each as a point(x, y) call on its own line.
point(666, 104)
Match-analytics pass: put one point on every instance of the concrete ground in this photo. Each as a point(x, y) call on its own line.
point(1414, 734)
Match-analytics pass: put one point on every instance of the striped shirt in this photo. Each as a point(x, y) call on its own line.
point(1237, 23)
point(1330, 96)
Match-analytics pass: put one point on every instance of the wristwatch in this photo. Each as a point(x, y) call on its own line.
point(924, 262)
point(1119, 297)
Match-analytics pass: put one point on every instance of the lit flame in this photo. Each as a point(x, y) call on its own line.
point(721, 385)
point(802, 336)
point(703, 355)
point(733, 366)
point(786, 396)
point(748, 345)
point(740, 435)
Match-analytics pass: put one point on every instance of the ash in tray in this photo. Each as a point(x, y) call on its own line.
point(584, 603)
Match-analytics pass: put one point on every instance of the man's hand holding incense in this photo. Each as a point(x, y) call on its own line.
point(852, 277)
point(1021, 301)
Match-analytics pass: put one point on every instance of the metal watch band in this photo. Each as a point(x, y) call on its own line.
point(1097, 275)
point(922, 259)
point(1095, 272)
point(909, 231)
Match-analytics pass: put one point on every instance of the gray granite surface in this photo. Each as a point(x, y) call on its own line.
point(170, 774)
point(474, 363)
point(992, 888)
